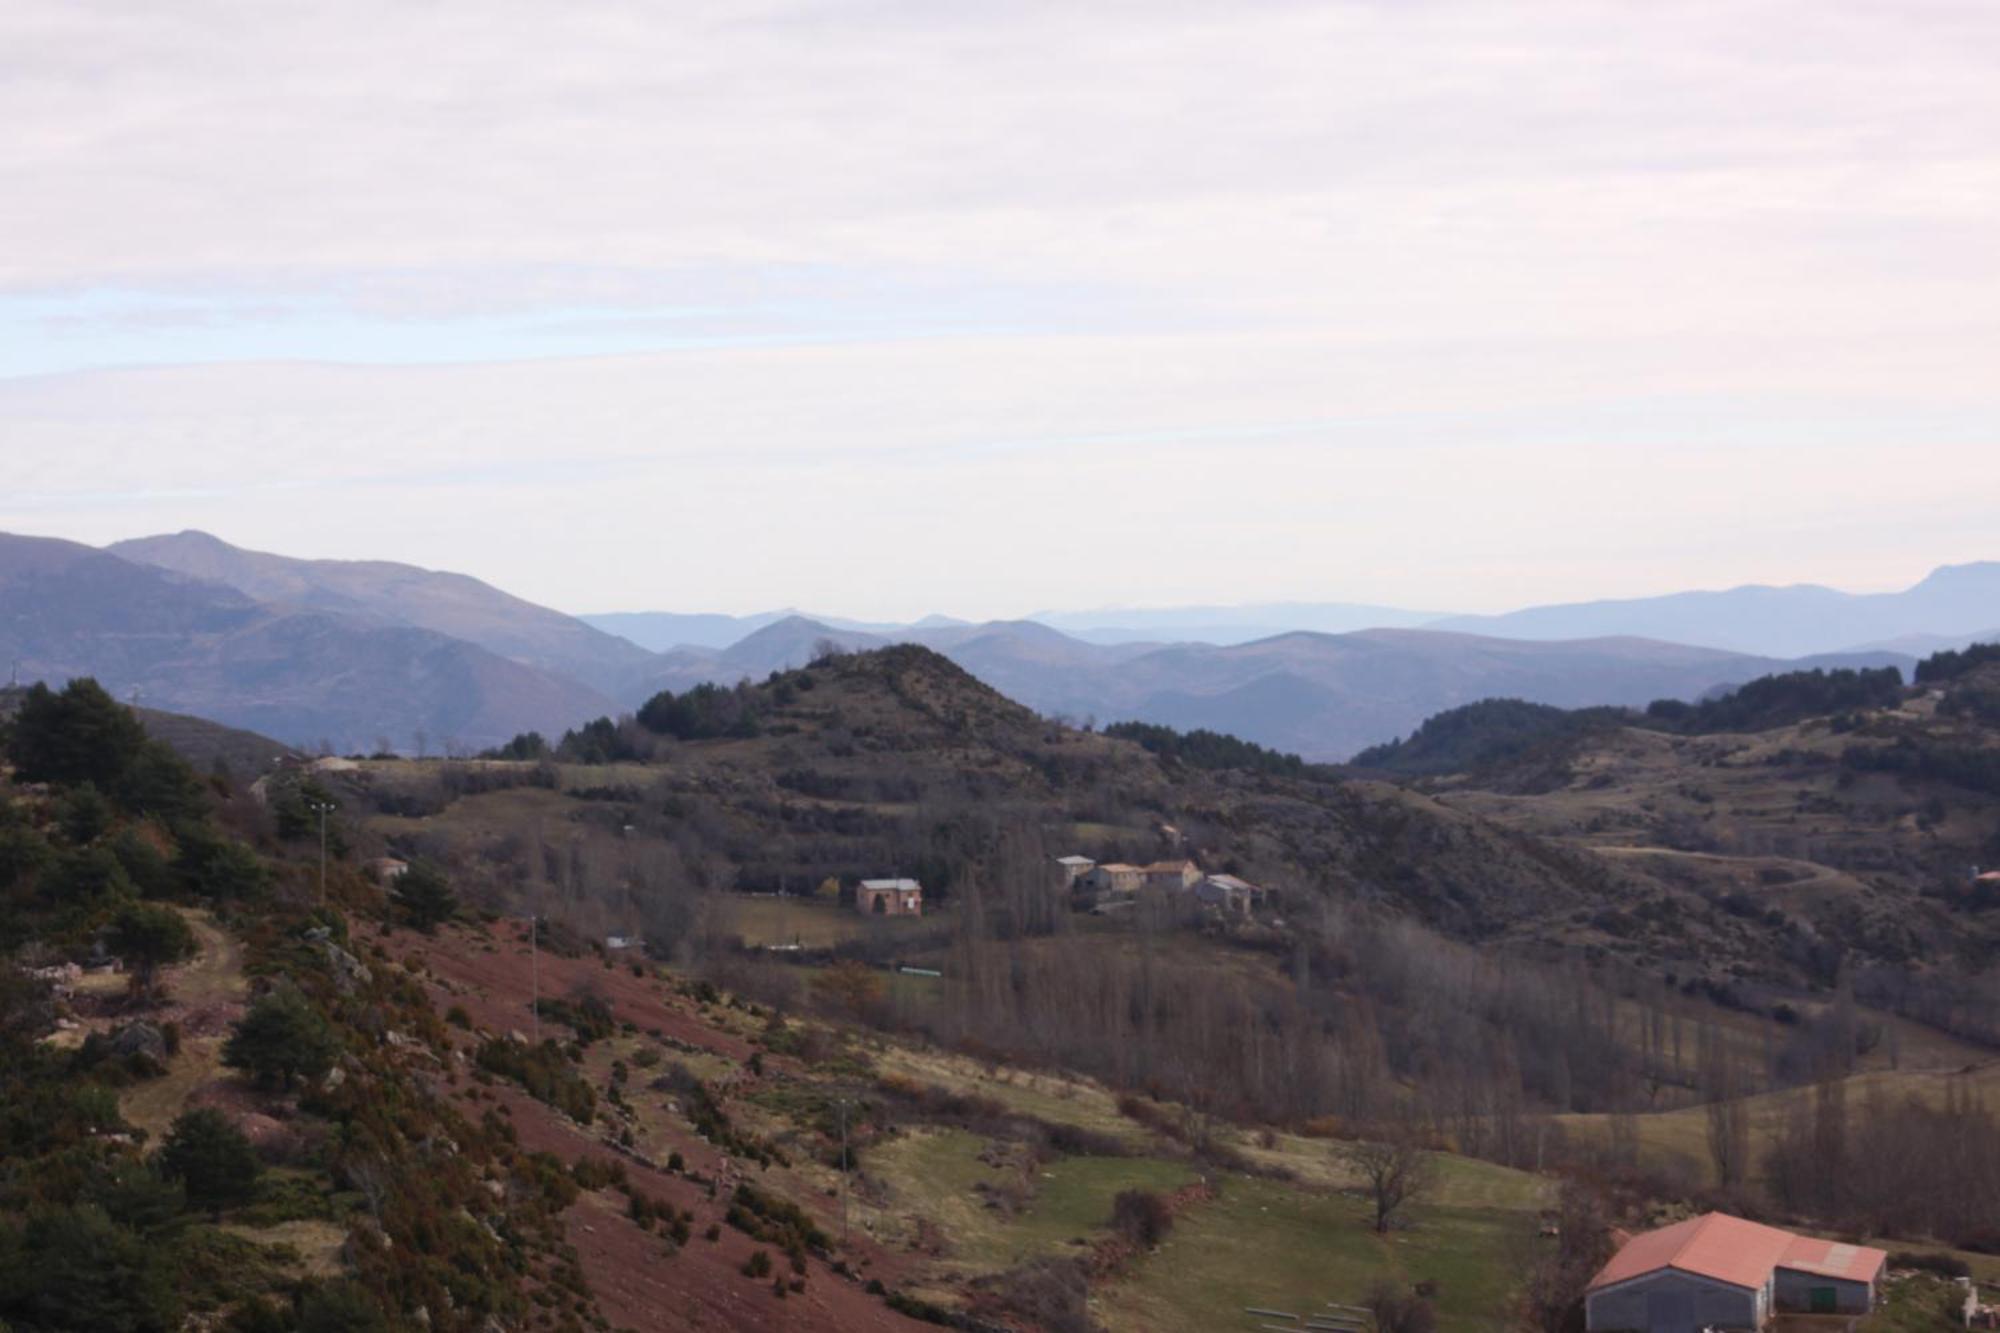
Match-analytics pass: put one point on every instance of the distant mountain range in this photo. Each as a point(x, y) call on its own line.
point(296, 674)
point(1955, 604)
point(361, 653)
point(390, 594)
point(1320, 695)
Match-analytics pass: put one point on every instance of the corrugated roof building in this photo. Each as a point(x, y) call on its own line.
point(1723, 1272)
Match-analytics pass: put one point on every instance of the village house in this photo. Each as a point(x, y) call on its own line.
point(1721, 1272)
point(1227, 893)
point(1114, 877)
point(1074, 868)
point(1172, 876)
point(385, 869)
point(889, 897)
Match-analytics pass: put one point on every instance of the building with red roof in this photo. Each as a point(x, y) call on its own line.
point(1722, 1272)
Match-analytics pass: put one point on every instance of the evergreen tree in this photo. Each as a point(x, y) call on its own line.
point(74, 1268)
point(424, 895)
point(280, 1039)
point(148, 938)
point(211, 1158)
point(79, 735)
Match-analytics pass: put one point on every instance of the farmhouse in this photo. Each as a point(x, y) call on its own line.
point(1229, 894)
point(1115, 877)
point(1074, 868)
point(1722, 1272)
point(386, 869)
point(889, 897)
point(1172, 876)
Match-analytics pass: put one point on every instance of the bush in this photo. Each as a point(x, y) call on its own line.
point(74, 1268)
point(545, 1072)
point(281, 1039)
point(1142, 1217)
point(758, 1264)
point(424, 896)
point(1929, 1261)
point(1398, 1311)
point(211, 1158)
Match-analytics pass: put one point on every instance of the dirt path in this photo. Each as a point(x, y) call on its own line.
point(205, 997)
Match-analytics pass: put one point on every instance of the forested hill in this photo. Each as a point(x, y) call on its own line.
point(1504, 731)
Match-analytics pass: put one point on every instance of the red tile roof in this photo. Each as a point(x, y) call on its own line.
point(1714, 1245)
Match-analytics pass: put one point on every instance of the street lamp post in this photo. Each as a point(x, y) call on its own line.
point(322, 809)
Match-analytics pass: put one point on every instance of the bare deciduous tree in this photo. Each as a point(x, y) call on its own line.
point(1395, 1170)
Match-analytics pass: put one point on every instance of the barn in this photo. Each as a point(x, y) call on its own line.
point(1718, 1271)
point(889, 897)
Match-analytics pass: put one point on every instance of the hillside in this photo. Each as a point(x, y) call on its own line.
point(1851, 832)
point(383, 1146)
point(450, 604)
point(782, 1114)
point(303, 676)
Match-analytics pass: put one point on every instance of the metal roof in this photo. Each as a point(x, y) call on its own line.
point(891, 884)
point(1738, 1252)
point(1851, 1263)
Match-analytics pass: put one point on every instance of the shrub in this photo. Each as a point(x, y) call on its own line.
point(778, 1221)
point(425, 896)
point(545, 1072)
point(758, 1264)
point(1930, 1261)
point(280, 1039)
point(211, 1158)
point(1142, 1217)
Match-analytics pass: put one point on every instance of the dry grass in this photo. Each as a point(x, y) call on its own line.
point(318, 1243)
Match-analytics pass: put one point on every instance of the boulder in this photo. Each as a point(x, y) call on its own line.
point(140, 1038)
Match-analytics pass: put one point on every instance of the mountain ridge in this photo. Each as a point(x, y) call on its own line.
point(300, 676)
point(448, 603)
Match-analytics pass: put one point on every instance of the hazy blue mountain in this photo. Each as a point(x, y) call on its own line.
point(664, 631)
point(299, 676)
point(1953, 602)
point(1924, 645)
point(1227, 624)
point(1321, 695)
point(451, 604)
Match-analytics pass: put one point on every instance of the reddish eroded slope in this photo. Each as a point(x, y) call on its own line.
point(492, 975)
point(637, 1280)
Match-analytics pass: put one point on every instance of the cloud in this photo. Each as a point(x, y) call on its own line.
point(989, 477)
point(899, 306)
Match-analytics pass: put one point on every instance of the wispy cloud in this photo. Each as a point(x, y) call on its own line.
point(1435, 300)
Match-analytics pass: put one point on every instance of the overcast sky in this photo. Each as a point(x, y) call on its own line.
point(889, 308)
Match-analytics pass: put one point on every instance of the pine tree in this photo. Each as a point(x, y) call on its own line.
point(281, 1038)
point(425, 896)
point(211, 1158)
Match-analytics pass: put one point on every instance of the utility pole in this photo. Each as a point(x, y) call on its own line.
point(322, 809)
point(843, 1173)
point(535, 980)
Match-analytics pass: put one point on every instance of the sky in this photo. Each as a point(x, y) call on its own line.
point(886, 308)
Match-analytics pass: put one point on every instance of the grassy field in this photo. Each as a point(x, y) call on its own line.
point(1274, 1245)
point(1054, 1097)
point(1683, 1134)
point(937, 1174)
point(810, 923)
